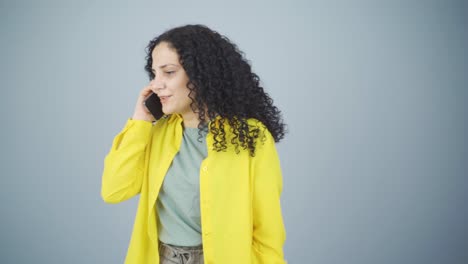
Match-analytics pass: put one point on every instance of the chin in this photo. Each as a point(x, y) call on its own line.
point(167, 111)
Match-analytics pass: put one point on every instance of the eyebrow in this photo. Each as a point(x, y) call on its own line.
point(165, 65)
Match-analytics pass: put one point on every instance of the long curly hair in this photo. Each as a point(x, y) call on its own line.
point(221, 82)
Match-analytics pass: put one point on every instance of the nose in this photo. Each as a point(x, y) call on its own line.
point(156, 84)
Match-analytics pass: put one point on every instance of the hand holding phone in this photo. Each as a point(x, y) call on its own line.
point(142, 111)
point(154, 106)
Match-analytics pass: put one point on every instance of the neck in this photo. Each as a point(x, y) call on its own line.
point(191, 119)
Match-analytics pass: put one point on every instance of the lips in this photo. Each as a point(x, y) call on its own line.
point(164, 98)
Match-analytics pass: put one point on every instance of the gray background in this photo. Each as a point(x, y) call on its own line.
point(374, 93)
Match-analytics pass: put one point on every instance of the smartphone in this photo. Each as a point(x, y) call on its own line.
point(153, 104)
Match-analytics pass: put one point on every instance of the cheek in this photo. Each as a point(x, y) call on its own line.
point(180, 87)
point(183, 90)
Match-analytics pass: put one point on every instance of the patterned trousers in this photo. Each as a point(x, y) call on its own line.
point(170, 254)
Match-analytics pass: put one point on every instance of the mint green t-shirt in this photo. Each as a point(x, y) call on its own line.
point(178, 202)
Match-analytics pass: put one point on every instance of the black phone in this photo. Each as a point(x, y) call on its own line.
point(154, 105)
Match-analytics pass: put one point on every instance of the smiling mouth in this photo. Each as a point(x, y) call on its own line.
point(164, 98)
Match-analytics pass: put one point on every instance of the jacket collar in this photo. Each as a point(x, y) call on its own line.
point(178, 118)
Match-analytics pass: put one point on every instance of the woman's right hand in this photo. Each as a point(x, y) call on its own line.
point(141, 112)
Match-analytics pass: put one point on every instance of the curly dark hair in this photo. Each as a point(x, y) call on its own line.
point(222, 82)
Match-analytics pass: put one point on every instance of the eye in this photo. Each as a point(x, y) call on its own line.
point(170, 72)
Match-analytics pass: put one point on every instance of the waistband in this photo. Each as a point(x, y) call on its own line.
point(182, 248)
point(183, 252)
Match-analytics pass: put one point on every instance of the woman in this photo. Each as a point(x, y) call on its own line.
point(208, 172)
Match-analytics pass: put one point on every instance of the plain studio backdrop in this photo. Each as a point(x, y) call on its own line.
point(374, 93)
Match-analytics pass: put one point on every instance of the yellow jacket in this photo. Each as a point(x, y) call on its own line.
point(239, 195)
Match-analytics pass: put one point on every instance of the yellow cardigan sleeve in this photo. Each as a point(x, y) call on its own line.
point(124, 164)
point(268, 229)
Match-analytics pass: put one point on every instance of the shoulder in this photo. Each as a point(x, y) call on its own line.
point(255, 124)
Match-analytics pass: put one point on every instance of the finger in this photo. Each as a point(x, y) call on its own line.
point(146, 92)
